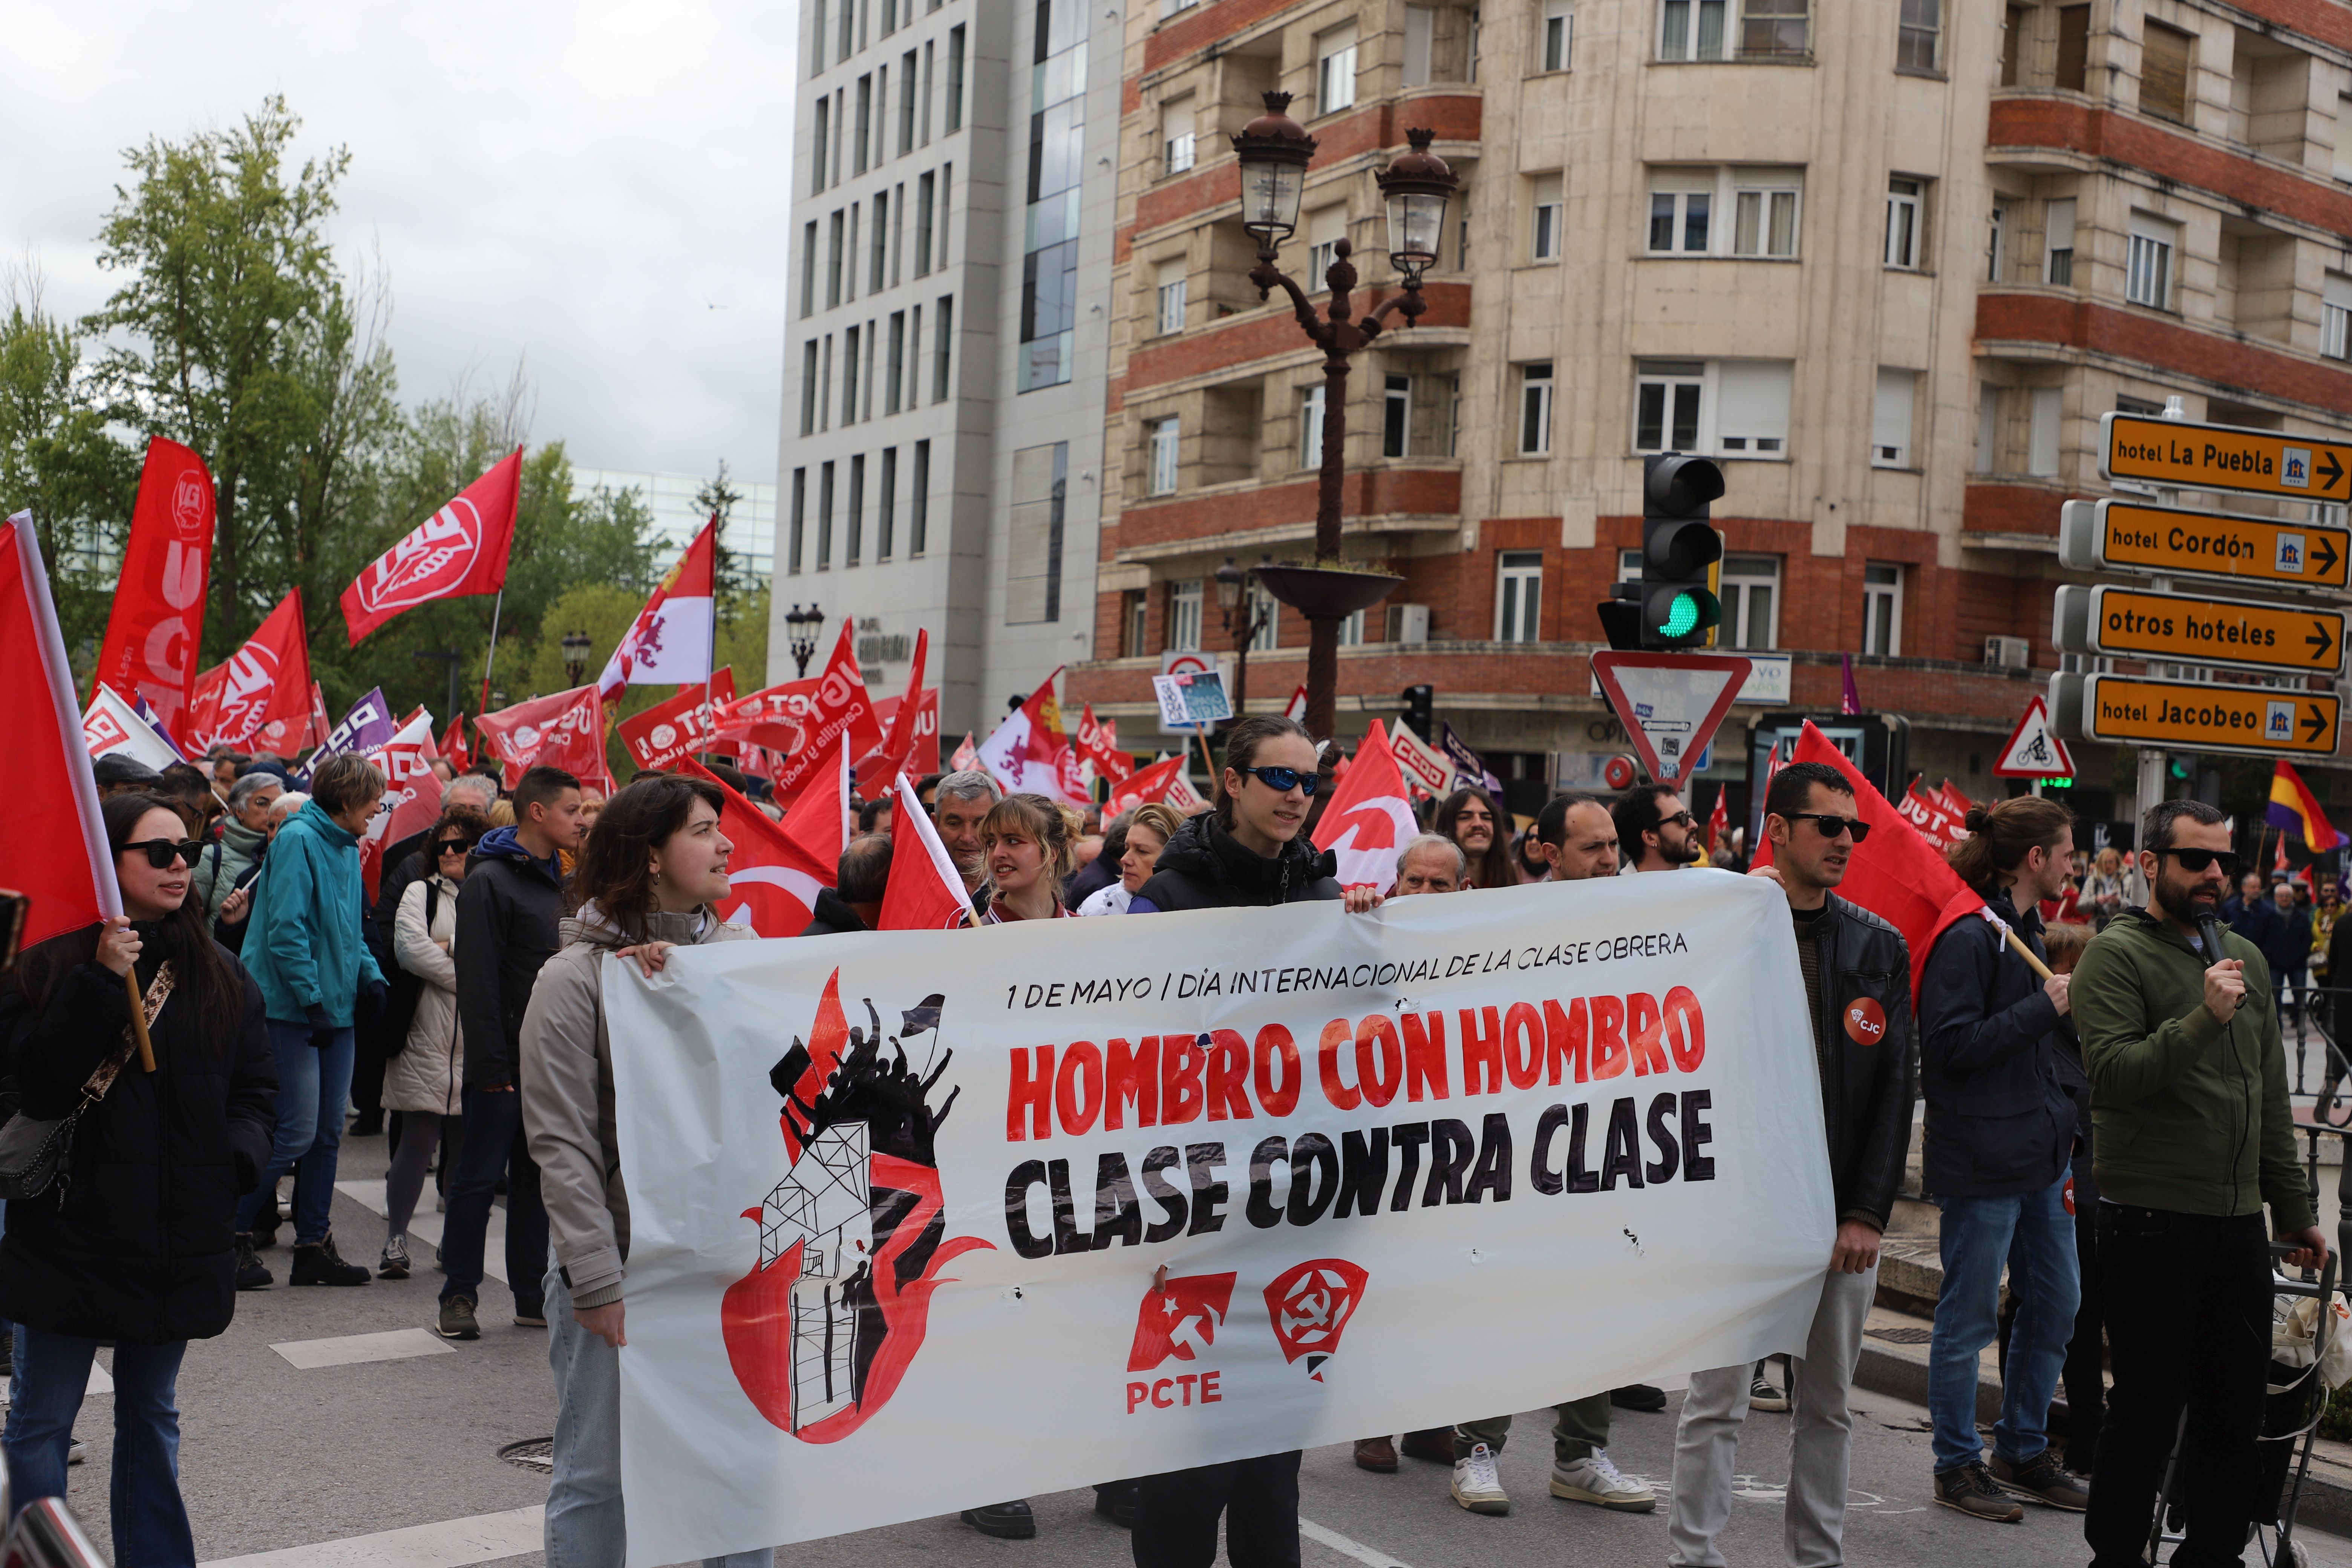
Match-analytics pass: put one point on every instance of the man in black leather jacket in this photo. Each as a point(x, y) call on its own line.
point(1857, 973)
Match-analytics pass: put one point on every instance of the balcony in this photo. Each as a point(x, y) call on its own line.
point(1404, 495)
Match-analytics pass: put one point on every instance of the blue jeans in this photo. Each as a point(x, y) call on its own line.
point(494, 1145)
point(587, 1525)
point(312, 1084)
point(151, 1522)
point(2034, 1233)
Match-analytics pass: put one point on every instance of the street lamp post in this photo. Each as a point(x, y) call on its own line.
point(1242, 626)
point(1274, 151)
point(802, 622)
point(575, 656)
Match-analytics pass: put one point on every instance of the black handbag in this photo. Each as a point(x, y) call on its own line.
point(37, 1153)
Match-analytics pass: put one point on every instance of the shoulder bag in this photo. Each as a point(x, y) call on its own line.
point(36, 1154)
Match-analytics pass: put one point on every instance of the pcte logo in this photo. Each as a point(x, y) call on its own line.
point(1178, 1321)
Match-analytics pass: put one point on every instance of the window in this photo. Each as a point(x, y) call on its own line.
point(894, 374)
point(918, 522)
point(1352, 630)
point(897, 229)
point(849, 376)
point(1547, 200)
point(855, 533)
point(1751, 601)
point(833, 239)
point(1681, 202)
point(1667, 398)
point(1310, 426)
point(823, 126)
point(1519, 595)
point(1988, 426)
point(1692, 29)
point(1752, 407)
point(879, 246)
point(1906, 207)
point(1134, 623)
point(1535, 409)
point(799, 521)
point(816, 42)
point(2335, 316)
point(1170, 7)
point(886, 507)
point(944, 328)
point(1335, 70)
point(1396, 416)
point(1264, 612)
point(1176, 128)
point(1736, 408)
point(925, 197)
point(1171, 297)
point(2343, 137)
point(1774, 29)
point(1183, 624)
point(2042, 446)
point(847, 42)
point(2073, 48)
point(923, 134)
point(1420, 44)
point(1882, 609)
point(1920, 36)
point(825, 387)
point(2164, 57)
point(865, 123)
point(849, 254)
point(1890, 418)
point(809, 397)
point(2147, 264)
point(825, 517)
point(1997, 222)
point(808, 271)
point(2058, 244)
point(906, 104)
point(1033, 551)
point(1764, 217)
point(1160, 442)
point(1326, 227)
point(2015, 20)
point(1557, 46)
point(955, 80)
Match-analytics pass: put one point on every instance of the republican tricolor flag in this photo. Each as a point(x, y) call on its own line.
point(670, 643)
point(2296, 810)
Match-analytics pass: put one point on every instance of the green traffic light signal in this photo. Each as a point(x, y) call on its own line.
point(1680, 550)
point(1682, 616)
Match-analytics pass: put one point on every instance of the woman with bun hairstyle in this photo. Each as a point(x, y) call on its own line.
point(2005, 1113)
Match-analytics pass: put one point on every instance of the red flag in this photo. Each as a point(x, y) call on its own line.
point(318, 728)
point(1931, 815)
point(158, 620)
point(1144, 787)
point(565, 730)
point(1098, 745)
point(682, 724)
point(1961, 804)
point(1029, 753)
point(669, 644)
point(887, 760)
point(57, 855)
point(411, 795)
point(1719, 821)
point(774, 876)
point(460, 550)
point(267, 682)
point(1895, 874)
point(925, 891)
point(770, 717)
point(1370, 819)
point(839, 708)
point(453, 750)
point(967, 756)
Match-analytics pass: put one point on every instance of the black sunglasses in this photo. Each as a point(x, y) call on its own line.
point(1288, 779)
point(1680, 819)
point(161, 852)
point(452, 846)
point(2198, 859)
point(1830, 825)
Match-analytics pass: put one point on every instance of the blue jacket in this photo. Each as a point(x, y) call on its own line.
point(2000, 1121)
point(304, 947)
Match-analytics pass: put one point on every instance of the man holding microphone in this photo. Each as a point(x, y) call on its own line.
point(2189, 1101)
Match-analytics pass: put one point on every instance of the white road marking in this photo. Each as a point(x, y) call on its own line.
point(452, 1543)
point(350, 1350)
point(100, 1381)
point(426, 1229)
point(1355, 1548)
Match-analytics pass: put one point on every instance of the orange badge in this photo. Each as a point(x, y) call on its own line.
point(1865, 1022)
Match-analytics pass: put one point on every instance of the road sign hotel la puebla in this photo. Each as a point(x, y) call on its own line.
point(1889, 264)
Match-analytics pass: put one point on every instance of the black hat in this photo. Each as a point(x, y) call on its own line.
point(121, 768)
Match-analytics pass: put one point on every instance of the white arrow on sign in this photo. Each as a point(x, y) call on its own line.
point(1670, 703)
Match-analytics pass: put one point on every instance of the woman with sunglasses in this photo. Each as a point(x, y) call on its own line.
point(426, 1081)
point(135, 1248)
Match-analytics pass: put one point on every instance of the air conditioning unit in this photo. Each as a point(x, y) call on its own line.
point(1407, 622)
point(2009, 653)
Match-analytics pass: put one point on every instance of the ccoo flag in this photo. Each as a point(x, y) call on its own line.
point(460, 550)
point(2296, 810)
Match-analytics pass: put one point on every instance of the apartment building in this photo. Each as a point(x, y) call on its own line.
point(944, 361)
point(1888, 261)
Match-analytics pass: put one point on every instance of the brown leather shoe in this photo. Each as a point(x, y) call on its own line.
point(1376, 1454)
point(1434, 1444)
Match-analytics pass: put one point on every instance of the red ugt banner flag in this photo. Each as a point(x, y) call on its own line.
point(267, 682)
point(565, 730)
point(679, 726)
point(458, 551)
point(159, 600)
point(839, 708)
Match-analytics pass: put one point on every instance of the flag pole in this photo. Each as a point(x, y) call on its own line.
point(496, 606)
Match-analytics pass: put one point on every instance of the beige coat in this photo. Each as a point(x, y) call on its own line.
point(567, 1098)
point(429, 1073)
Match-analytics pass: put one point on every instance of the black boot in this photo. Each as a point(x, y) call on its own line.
point(251, 1275)
point(318, 1264)
point(1005, 1521)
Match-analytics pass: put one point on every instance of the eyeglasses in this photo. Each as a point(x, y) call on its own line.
point(2195, 860)
point(1288, 779)
point(1679, 819)
point(161, 852)
point(1830, 825)
point(453, 845)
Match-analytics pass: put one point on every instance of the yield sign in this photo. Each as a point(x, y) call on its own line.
point(2033, 752)
point(1670, 703)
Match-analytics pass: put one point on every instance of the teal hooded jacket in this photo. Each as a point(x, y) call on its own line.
point(303, 945)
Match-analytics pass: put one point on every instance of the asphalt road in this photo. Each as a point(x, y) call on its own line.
point(343, 1463)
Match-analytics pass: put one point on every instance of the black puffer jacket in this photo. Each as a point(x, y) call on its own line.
point(832, 916)
point(1206, 867)
point(508, 913)
point(143, 1247)
point(2000, 1119)
point(1866, 1061)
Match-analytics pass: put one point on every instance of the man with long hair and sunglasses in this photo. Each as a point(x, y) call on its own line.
point(1857, 973)
point(2192, 1137)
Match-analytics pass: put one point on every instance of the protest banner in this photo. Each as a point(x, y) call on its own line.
point(838, 709)
point(1591, 1109)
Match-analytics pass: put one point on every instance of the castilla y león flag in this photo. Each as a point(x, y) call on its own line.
point(458, 551)
point(159, 600)
point(669, 643)
point(1029, 753)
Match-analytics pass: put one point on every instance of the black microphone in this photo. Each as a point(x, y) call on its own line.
point(2209, 929)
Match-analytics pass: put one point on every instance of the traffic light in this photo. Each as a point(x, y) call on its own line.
point(1418, 701)
point(1680, 549)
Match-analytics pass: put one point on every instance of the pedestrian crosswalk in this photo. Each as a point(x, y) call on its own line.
point(351, 1350)
point(451, 1543)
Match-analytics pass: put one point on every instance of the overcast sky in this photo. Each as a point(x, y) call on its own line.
point(599, 190)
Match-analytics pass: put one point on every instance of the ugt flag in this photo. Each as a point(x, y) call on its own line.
point(669, 645)
point(839, 710)
point(266, 682)
point(158, 620)
point(460, 550)
point(565, 730)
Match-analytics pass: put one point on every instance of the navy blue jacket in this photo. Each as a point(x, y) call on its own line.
point(2000, 1121)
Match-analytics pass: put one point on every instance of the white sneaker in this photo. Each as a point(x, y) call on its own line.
point(1595, 1481)
point(1477, 1487)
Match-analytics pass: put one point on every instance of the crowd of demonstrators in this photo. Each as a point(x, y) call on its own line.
point(135, 1248)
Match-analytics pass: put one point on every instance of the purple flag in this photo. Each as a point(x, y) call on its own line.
point(1850, 701)
point(367, 726)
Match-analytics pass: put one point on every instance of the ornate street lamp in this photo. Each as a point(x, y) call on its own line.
point(1274, 151)
point(1242, 625)
point(576, 646)
point(803, 622)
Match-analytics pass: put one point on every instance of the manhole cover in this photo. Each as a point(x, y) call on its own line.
point(1901, 1336)
point(532, 1454)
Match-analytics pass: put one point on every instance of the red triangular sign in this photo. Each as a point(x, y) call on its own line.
point(1670, 703)
point(2033, 752)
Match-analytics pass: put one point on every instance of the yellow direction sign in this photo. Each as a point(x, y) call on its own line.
point(2225, 458)
point(2126, 536)
point(2256, 719)
point(2138, 623)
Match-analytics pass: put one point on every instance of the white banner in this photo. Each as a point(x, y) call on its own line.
point(1583, 1121)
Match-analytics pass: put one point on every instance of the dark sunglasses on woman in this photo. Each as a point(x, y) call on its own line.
point(161, 852)
point(1287, 779)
